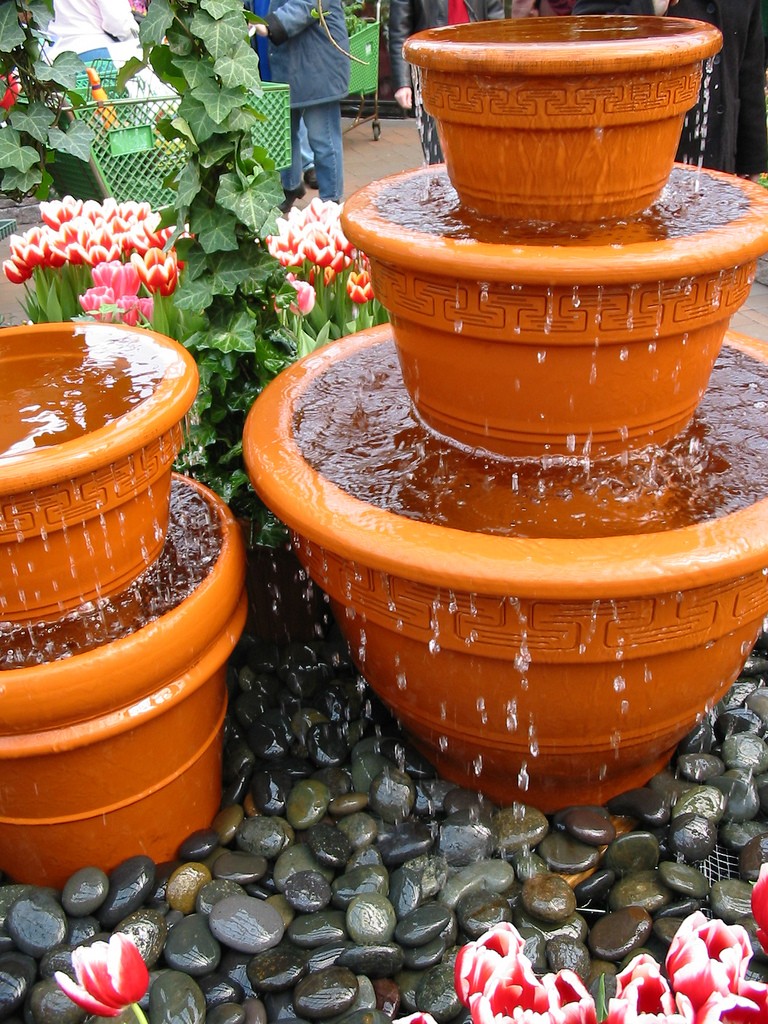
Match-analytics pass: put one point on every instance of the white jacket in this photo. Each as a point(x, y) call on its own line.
point(83, 25)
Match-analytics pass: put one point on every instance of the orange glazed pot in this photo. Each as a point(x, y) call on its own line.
point(559, 671)
point(117, 751)
point(561, 119)
point(590, 343)
point(90, 424)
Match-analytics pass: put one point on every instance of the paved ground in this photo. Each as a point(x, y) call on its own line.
point(397, 149)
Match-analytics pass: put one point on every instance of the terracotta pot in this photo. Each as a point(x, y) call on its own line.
point(84, 505)
point(556, 671)
point(557, 119)
point(599, 343)
point(117, 751)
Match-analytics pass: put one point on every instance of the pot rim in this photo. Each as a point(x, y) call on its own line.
point(572, 47)
point(742, 239)
point(128, 670)
point(588, 568)
point(128, 433)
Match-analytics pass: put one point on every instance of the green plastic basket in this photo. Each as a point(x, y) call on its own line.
point(274, 132)
point(364, 44)
point(130, 159)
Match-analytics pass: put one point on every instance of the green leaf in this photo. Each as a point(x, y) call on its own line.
point(240, 68)
point(63, 72)
point(188, 185)
point(16, 180)
point(11, 32)
point(194, 295)
point(216, 150)
point(218, 102)
point(193, 111)
point(194, 70)
point(157, 23)
point(35, 120)
point(229, 271)
point(215, 230)
point(220, 8)
point(10, 141)
point(76, 140)
point(252, 204)
point(220, 35)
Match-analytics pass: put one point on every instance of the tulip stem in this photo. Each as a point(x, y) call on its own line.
point(139, 1014)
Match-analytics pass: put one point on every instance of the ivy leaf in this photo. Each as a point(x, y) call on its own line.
point(17, 180)
point(194, 295)
point(240, 68)
point(214, 230)
point(214, 150)
point(11, 33)
point(253, 203)
point(188, 185)
point(229, 272)
point(35, 120)
point(220, 35)
point(218, 102)
point(23, 158)
point(220, 8)
point(157, 23)
point(63, 72)
point(194, 70)
point(9, 146)
point(197, 117)
point(76, 141)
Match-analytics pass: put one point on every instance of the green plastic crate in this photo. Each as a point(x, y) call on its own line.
point(274, 132)
point(130, 159)
point(364, 44)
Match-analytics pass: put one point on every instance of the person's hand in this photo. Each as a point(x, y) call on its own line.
point(662, 6)
point(261, 29)
point(404, 97)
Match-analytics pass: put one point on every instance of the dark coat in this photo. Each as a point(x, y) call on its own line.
point(409, 16)
point(736, 133)
point(302, 55)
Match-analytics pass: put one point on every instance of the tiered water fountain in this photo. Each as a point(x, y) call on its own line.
point(547, 562)
point(121, 600)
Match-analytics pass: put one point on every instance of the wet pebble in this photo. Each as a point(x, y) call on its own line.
point(246, 924)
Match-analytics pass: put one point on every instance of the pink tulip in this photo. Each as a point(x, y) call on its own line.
point(734, 1009)
point(706, 958)
point(122, 278)
point(131, 309)
point(521, 997)
point(16, 271)
point(760, 906)
point(477, 961)
point(644, 997)
point(110, 976)
point(305, 296)
point(94, 298)
point(60, 211)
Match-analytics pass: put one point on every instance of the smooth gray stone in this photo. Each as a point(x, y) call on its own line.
point(225, 1013)
point(563, 853)
point(421, 958)
point(568, 954)
point(548, 897)
point(401, 843)
point(527, 864)
point(331, 848)
point(376, 960)
point(518, 827)
point(647, 805)
point(615, 935)
point(36, 923)
point(746, 751)
point(47, 1004)
point(246, 924)
point(435, 993)
point(264, 836)
point(392, 795)
point(574, 927)
point(17, 975)
point(176, 998)
point(191, 948)
point(423, 924)
point(731, 899)
point(706, 801)
point(129, 885)
point(306, 891)
point(734, 835)
point(700, 767)
point(752, 856)
point(212, 892)
point(591, 825)
point(370, 918)
point(358, 881)
point(320, 957)
point(84, 892)
point(364, 1001)
point(293, 859)
point(692, 837)
point(278, 968)
point(479, 910)
point(148, 930)
point(307, 803)
point(633, 851)
point(493, 875)
point(740, 791)
point(405, 890)
point(640, 889)
point(463, 839)
point(318, 929)
point(683, 879)
point(239, 867)
point(360, 829)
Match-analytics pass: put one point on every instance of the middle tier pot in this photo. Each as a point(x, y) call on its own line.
point(601, 342)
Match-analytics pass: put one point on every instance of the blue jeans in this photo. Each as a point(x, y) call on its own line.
point(323, 124)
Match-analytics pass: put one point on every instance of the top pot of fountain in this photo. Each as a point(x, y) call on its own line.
point(545, 560)
point(561, 119)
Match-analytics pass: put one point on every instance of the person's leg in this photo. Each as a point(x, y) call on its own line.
point(323, 121)
point(291, 175)
point(307, 157)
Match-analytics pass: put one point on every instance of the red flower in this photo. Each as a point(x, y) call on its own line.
point(707, 958)
point(157, 270)
point(359, 287)
point(60, 211)
point(760, 906)
point(11, 91)
point(16, 271)
point(110, 976)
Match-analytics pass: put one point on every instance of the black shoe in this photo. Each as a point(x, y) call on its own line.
point(291, 195)
point(310, 178)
